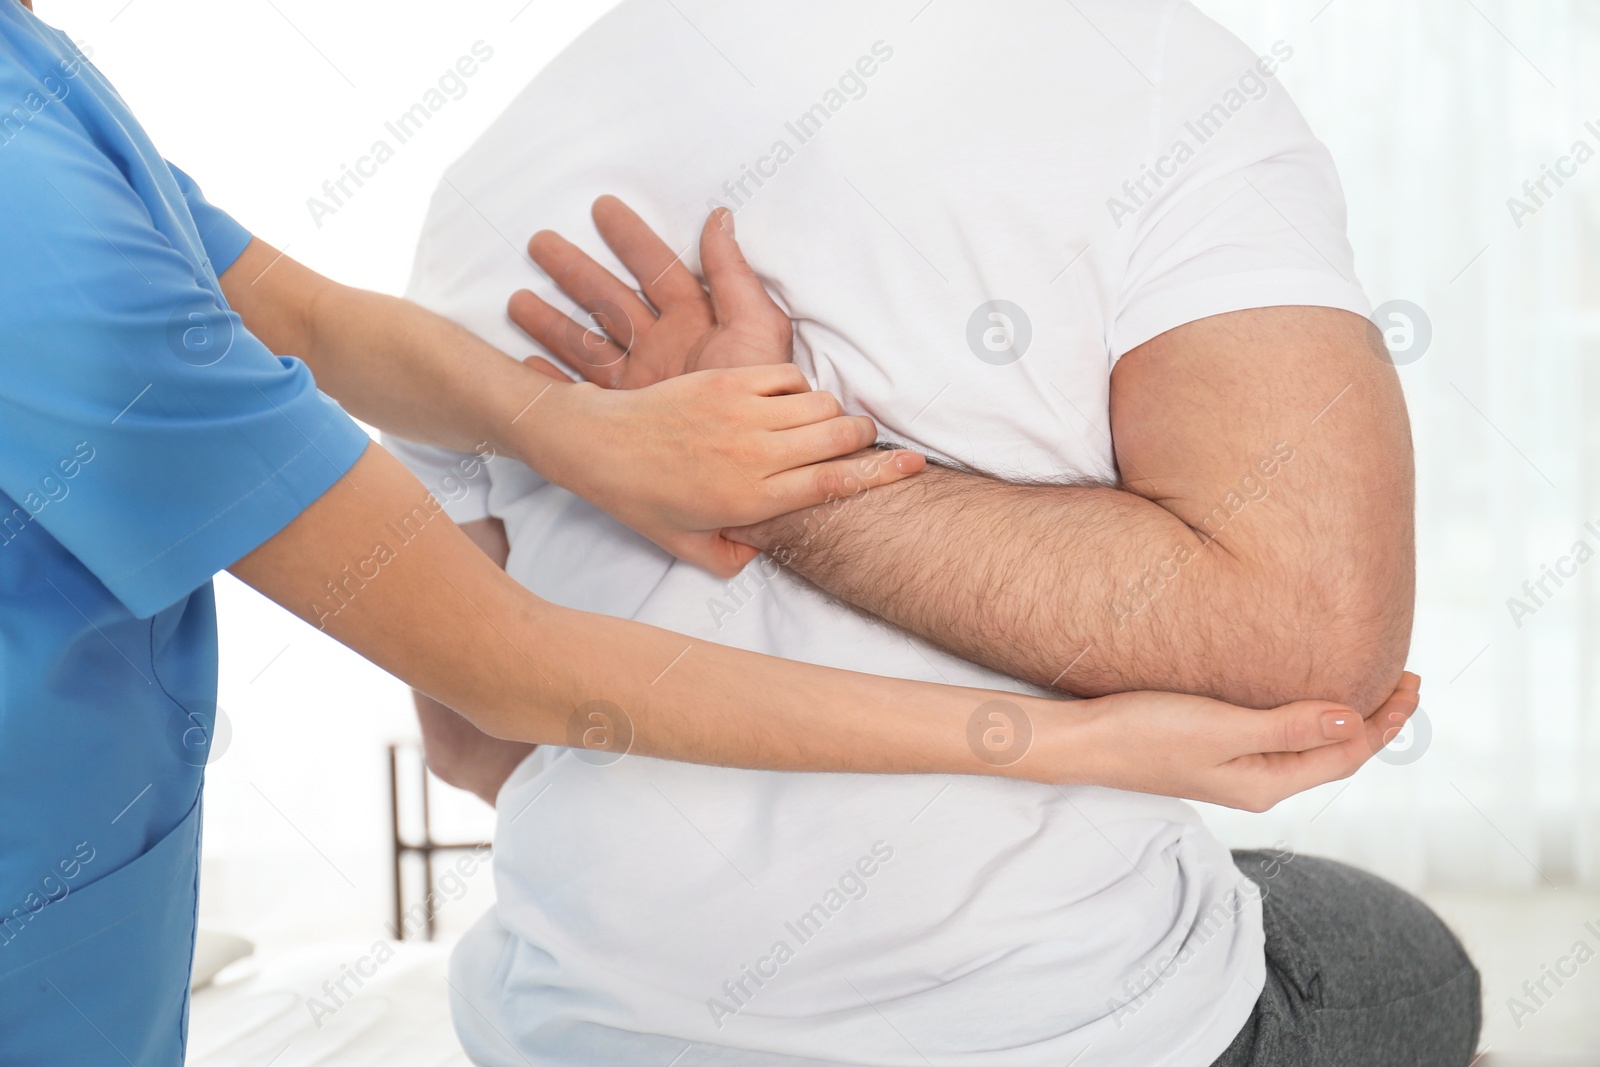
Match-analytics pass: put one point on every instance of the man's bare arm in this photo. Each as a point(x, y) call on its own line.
point(1259, 549)
point(457, 751)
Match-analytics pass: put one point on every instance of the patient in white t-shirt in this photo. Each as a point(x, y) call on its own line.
point(1090, 259)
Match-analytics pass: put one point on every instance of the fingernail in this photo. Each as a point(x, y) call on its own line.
point(1336, 724)
point(726, 220)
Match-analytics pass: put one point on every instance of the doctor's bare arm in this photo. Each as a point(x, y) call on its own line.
point(457, 751)
point(676, 463)
point(439, 614)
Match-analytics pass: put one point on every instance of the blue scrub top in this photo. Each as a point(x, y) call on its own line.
point(147, 441)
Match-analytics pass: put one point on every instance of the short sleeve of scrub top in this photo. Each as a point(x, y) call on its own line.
point(147, 441)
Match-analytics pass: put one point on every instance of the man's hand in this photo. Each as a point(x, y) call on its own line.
point(716, 360)
point(682, 329)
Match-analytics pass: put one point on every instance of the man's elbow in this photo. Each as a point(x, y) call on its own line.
point(1357, 658)
point(1362, 683)
point(452, 747)
point(449, 762)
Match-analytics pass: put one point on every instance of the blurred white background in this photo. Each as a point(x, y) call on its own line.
point(1437, 112)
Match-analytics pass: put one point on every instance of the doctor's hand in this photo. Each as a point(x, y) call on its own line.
point(1196, 748)
point(680, 460)
point(676, 326)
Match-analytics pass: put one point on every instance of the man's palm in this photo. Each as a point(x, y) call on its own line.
point(629, 342)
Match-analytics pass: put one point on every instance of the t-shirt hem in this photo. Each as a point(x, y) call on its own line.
point(1167, 310)
point(1230, 1017)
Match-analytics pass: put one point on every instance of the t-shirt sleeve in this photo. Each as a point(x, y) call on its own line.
point(141, 424)
point(223, 237)
point(1239, 206)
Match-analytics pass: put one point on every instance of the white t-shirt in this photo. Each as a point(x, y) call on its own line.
point(1109, 169)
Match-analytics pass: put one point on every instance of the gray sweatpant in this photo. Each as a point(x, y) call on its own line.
point(1359, 974)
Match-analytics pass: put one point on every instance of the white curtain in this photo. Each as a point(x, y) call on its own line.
point(1438, 112)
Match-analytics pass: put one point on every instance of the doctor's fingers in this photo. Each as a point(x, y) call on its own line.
point(1274, 776)
point(831, 480)
point(800, 409)
point(1280, 775)
point(1306, 724)
point(1383, 725)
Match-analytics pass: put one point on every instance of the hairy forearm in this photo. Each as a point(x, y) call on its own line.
point(1096, 590)
point(1258, 548)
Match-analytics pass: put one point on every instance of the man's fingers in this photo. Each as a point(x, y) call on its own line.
point(737, 295)
point(837, 479)
point(584, 348)
point(659, 270)
point(612, 305)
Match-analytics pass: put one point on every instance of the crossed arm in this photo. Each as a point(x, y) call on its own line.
point(1258, 548)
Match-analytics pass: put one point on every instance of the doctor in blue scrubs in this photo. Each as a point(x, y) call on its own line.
point(163, 418)
point(150, 437)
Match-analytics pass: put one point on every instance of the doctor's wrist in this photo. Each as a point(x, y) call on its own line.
point(543, 423)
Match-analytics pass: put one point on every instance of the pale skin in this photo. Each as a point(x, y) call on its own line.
point(662, 334)
point(726, 440)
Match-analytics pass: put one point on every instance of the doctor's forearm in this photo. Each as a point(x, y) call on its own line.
point(389, 362)
point(377, 569)
point(435, 611)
